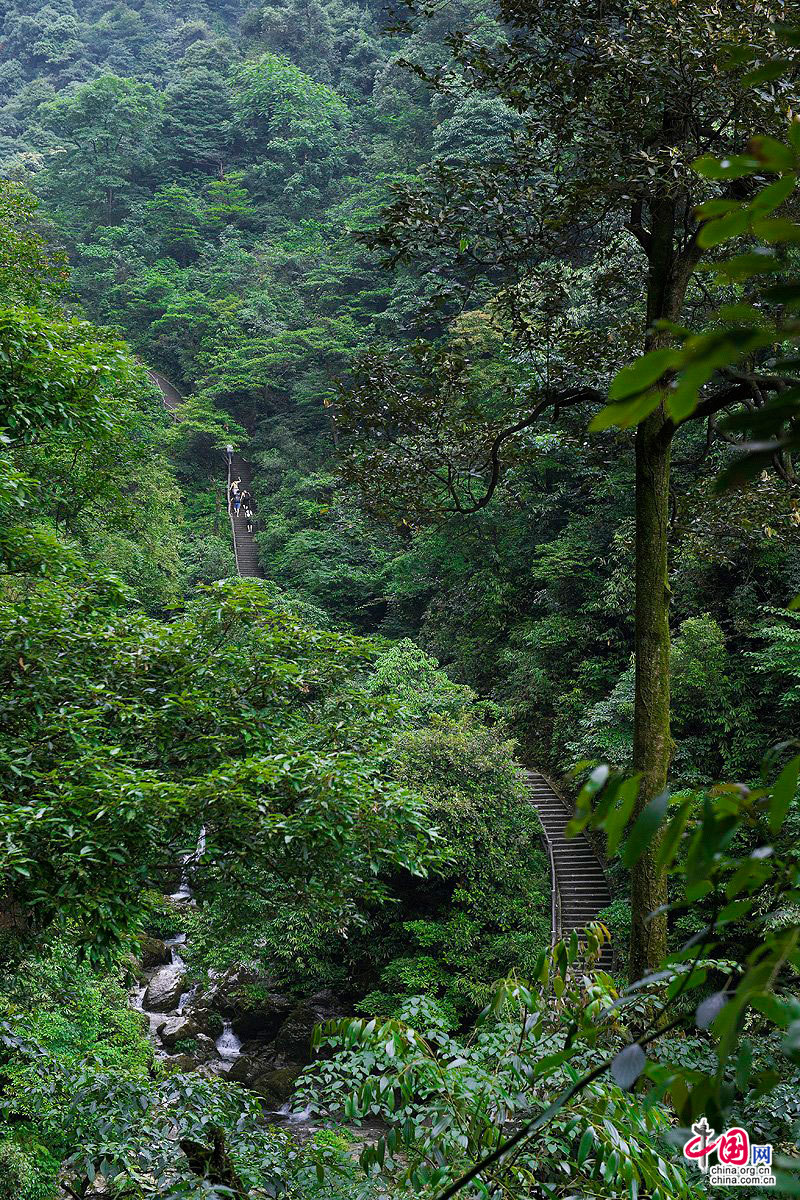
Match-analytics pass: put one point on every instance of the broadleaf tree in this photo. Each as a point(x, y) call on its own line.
point(615, 105)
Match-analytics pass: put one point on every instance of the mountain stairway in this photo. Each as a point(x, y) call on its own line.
point(580, 889)
point(244, 543)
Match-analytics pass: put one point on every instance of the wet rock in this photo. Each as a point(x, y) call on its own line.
point(136, 973)
point(251, 1002)
point(293, 1040)
point(329, 1006)
point(205, 1047)
point(276, 1086)
point(154, 953)
point(176, 1029)
point(255, 1060)
point(224, 994)
point(164, 990)
point(261, 1018)
point(205, 1020)
point(178, 1062)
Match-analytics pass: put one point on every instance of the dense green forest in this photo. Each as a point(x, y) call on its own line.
point(498, 303)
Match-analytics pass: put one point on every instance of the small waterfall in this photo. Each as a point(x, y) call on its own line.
point(186, 997)
point(287, 1114)
point(154, 1019)
point(184, 894)
point(228, 1044)
point(172, 943)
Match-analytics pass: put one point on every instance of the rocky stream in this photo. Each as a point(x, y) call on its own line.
point(218, 1028)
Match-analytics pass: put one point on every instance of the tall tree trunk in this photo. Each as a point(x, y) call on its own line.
point(651, 739)
point(652, 743)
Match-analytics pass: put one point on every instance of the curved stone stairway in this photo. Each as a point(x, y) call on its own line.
point(580, 889)
point(579, 884)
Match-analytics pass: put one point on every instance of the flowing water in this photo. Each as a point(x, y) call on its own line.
point(229, 1047)
point(184, 894)
point(169, 974)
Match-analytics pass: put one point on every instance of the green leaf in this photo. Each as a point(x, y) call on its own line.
point(772, 154)
point(774, 194)
point(775, 69)
point(714, 233)
point(786, 1184)
point(776, 230)
point(627, 1066)
point(586, 1143)
point(783, 792)
point(618, 818)
point(791, 1042)
point(683, 396)
point(645, 829)
point(734, 166)
point(672, 835)
point(745, 266)
point(716, 208)
point(627, 414)
point(709, 1009)
point(643, 373)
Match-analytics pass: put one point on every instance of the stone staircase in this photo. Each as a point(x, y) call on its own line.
point(580, 889)
point(244, 543)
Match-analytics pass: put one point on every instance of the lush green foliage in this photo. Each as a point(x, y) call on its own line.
point(559, 1050)
point(482, 909)
point(80, 1086)
point(446, 1100)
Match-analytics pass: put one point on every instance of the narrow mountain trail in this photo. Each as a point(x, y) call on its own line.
point(244, 542)
point(579, 886)
point(171, 396)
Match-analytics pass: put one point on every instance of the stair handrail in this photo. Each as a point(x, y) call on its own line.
point(555, 895)
point(230, 513)
point(557, 792)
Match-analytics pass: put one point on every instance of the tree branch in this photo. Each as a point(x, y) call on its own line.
point(636, 226)
point(493, 463)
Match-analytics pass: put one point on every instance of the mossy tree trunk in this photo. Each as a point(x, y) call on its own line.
point(652, 740)
point(668, 278)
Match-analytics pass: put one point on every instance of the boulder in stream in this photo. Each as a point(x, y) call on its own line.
point(255, 1059)
point(276, 1086)
point(164, 989)
point(175, 1029)
point(261, 1018)
point(206, 1048)
point(251, 1002)
point(293, 1040)
point(154, 953)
